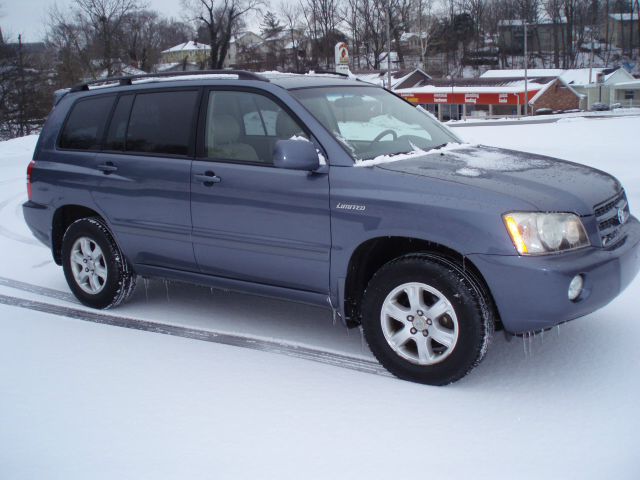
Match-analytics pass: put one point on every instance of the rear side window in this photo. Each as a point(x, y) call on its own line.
point(161, 122)
point(118, 127)
point(85, 124)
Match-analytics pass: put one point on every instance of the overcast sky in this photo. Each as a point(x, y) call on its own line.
point(28, 16)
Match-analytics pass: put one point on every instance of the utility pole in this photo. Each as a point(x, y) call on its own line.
point(389, 44)
point(21, 93)
point(526, 79)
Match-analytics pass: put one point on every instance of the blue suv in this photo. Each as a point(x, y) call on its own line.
point(327, 191)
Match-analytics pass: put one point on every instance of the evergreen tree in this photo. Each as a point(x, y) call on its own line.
point(270, 25)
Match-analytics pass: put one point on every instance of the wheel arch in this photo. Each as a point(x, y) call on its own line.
point(62, 218)
point(369, 256)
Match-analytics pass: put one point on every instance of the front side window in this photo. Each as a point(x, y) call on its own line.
point(372, 122)
point(161, 123)
point(85, 125)
point(245, 126)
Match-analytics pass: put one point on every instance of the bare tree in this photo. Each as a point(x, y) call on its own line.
point(221, 19)
point(290, 13)
point(104, 19)
point(145, 34)
point(321, 17)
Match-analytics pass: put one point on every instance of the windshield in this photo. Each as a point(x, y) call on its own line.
point(372, 122)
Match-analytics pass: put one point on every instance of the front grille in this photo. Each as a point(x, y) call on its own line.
point(610, 215)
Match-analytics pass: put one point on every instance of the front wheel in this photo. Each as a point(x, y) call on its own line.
point(95, 268)
point(425, 319)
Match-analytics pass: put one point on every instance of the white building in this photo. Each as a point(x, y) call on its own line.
point(598, 85)
point(187, 52)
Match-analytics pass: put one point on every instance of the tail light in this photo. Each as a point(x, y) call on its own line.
point(32, 164)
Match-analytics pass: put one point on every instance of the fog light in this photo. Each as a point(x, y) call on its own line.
point(575, 287)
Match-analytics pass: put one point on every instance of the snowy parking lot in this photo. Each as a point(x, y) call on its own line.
point(84, 398)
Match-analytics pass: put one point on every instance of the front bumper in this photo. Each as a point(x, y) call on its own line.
point(531, 292)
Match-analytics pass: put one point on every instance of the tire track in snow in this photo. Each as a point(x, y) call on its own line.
point(281, 348)
point(44, 291)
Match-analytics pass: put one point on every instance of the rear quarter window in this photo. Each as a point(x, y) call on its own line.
point(85, 124)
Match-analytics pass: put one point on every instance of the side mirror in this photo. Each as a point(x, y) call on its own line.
point(296, 155)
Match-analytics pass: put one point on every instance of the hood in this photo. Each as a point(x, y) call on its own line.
point(547, 183)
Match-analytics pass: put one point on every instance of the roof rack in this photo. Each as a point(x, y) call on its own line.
point(330, 72)
point(241, 74)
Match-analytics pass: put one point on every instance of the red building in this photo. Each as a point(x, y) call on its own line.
point(479, 97)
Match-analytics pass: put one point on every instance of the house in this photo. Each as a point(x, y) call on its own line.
point(624, 30)
point(557, 95)
point(187, 52)
point(399, 78)
point(545, 35)
point(605, 85)
point(246, 50)
point(598, 85)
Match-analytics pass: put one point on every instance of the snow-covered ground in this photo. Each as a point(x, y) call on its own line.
point(82, 400)
point(473, 121)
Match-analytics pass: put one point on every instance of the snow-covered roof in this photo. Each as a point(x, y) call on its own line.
point(513, 87)
point(510, 23)
point(244, 34)
point(545, 20)
point(633, 84)
point(188, 47)
point(625, 17)
point(380, 78)
point(519, 73)
point(580, 76)
point(406, 36)
point(573, 76)
point(382, 58)
point(163, 67)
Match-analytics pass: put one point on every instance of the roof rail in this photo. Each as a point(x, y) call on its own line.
point(331, 72)
point(127, 80)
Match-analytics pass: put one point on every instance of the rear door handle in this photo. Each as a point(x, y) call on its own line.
point(107, 168)
point(208, 178)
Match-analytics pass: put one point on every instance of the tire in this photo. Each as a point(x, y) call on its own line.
point(443, 333)
point(108, 280)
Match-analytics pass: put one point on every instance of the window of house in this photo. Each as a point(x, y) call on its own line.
point(629, 94)
point(85, 125)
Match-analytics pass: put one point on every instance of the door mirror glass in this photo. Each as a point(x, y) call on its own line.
point(296, 155)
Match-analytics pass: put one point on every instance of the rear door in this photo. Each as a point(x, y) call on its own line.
point(145, 175)
point(252, 221)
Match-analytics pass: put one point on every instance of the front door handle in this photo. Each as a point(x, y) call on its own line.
point(208, 178)
point(107, 168)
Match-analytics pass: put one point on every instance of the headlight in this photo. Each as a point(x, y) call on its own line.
point(542, 233)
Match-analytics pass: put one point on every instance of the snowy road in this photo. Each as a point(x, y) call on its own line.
point(86, 399)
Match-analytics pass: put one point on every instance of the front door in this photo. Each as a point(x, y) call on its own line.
point(252, 221)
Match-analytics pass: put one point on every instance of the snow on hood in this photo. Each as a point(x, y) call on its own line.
point(487, 159)
point(548, 184)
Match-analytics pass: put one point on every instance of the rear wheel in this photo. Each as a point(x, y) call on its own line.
point(425, 319)
point(96, 270)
